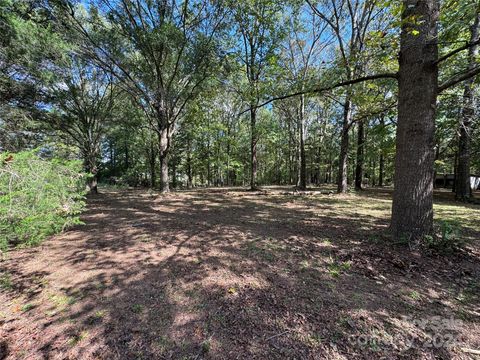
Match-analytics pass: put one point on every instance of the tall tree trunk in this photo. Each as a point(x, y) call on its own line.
point(302, 168)
point(174, 174)
point(382, 157)
point(152, 161)
point(253, 148)
point(90, 166)
point(455, 168)
point(318, 168)
point(360, 155)
point(412, 208)
point(437, 156)
point(381, 170)
point(189, 165)
point(127, 157)
point(342, 179)
point(373, 168)
point(463, 190)
point(163, 154)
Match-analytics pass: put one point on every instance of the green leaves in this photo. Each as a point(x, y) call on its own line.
point(39, 197)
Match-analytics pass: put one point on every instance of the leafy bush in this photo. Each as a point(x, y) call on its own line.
point(38, 197)
point(447, 237)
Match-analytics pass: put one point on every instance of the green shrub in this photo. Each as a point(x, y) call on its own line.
point(38, 197)
point(447, 237)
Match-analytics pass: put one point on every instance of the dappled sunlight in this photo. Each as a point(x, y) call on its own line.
point(214, 275)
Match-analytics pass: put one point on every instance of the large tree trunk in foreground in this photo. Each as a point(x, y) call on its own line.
point(360, 157)
point(253, 148)
point(342, 179)
point(412, 208)
point(463, 191)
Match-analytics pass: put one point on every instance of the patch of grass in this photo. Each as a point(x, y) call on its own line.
point(61, 301)
point(256, 250)
point(6, 281)
point(313, 340)
point(163, 343)
point(304, 265)
point(27, 307)
point(74, 340)
point(206, 346)
point(470, 294)
point(99, 314)
point(137, 308)
point(145, 238)
point(335, 269)
point(414, 295)
point(358, 298)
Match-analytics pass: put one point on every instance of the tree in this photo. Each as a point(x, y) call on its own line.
point(85, 100)
point(27, 69)
point(418, 88)
point(161, 52)
point(463, 189)
point(412, 209)
point(300, 55)
point(349, 22)
point(256, 23)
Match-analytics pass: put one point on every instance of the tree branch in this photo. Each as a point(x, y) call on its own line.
point(456, 51)
point(459, 78)
point(327, 88)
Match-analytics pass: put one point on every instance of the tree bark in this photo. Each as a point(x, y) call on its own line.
point(342, 179)
point(90, 166)
point(382, 157)
point(380, 170)
point(152, 158)
point(253, 149)
point(302, 168)
point(412, 208)
point(163, 154)
point(174, 175)
point(463, 191)
point(189, 165)
point(360, 155)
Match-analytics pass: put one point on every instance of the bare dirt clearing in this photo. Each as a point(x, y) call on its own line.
point(226, 274)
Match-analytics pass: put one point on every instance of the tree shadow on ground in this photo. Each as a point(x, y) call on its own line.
point(228, 274)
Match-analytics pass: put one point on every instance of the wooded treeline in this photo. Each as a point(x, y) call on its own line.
point(177, 94)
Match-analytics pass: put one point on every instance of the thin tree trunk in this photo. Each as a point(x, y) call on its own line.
point(382, 158)
point(412, 208)
point(455, 168)
point(437, 155)
point(152, 161)
point(463, 190)
point(381, 170)
point(127, 158)
point(373, 167)
point(253, 149)
point(189, 165)
point(342, 179)
point(302, 168)
point(360, 155)
point(174, 174)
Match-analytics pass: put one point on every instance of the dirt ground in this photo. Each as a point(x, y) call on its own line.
point(231, 274)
